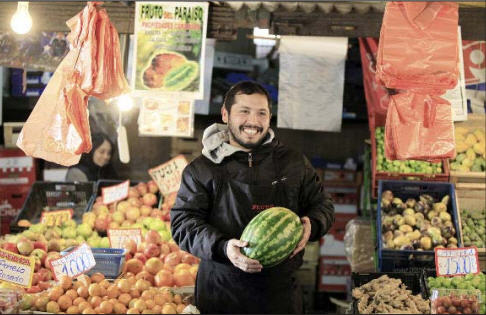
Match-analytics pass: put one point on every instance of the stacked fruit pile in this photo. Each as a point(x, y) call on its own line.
point(96, 295)
point(140, 204)
point(468, 282)
point(160, 263)
point(473, 228)
point(408, 166)
point(420, 224)
point(470, 148)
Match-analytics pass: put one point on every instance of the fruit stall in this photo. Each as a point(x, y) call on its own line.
point(409, 231)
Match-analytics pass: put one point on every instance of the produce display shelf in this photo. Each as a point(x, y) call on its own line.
point(391, 259)
point(411, 279)
point(379, 175)
point(49, 196)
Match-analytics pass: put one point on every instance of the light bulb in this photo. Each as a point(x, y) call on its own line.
point(21, 21)
point(124, 102)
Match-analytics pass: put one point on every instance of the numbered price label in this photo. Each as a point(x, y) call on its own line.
point(57, 217)
point(456, 261)
point(115, 193)
point(118, 237)
point(168, 176)
point(77, 262)
point(16, 269)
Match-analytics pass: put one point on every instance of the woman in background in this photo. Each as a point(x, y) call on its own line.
point(96, 164)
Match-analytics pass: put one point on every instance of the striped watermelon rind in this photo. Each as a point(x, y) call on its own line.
point(272, 236)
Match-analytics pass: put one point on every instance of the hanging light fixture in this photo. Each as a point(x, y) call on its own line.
point(21, 21)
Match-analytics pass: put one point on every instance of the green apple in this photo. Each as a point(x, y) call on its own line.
point(69, 224)
point(38, 228)
point(158, 225)
point(84, 230)
point(80, 239)
point(165, 235)
point(104, 243)
point(93, 242)
point(147, 222)
point(68, 233)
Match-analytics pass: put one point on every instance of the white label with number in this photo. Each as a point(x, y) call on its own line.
point(456, 261)
point(168, 176)
point(118, 237)
point(77, 262)
point(115, 193)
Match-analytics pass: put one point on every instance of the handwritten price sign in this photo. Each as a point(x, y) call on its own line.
point(118, 237)
point(115, 193)
point(168, 176)
point(78, 261)
point(16, 269)
point(456, 261)
point(56, 218)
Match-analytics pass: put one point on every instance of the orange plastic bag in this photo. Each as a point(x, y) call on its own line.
point(58, 128)
point(418, 46)
point(419, 127)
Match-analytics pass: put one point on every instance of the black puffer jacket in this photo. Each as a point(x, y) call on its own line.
point(220, 193)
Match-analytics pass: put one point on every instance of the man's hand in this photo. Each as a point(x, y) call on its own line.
point(238, 259)
point(305, 236)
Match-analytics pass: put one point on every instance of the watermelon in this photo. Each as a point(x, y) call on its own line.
point(272, 236)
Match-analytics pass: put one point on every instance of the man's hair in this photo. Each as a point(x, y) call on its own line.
point(248, 88)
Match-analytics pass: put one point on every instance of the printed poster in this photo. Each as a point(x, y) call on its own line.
point(166, 117)
point(169, 48)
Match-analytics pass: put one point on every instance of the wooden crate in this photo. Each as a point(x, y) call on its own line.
point(474, 121)
point(11, 131)
point(471, 196)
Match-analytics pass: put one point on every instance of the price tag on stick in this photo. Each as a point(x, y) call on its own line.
point(77, 262)
point(16, 269)
point(456, 261)
point(115, 193)
point(57, 217)
point(118, 237)
point(168, 176)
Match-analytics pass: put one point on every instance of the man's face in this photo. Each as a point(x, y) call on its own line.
point(248, 121)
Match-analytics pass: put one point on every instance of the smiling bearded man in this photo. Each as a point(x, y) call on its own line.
point(243, 170)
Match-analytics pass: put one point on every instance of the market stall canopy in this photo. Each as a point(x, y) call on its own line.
point(306, 18)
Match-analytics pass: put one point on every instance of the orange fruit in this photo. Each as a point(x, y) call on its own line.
point(73, 310)
point(64, 302)
point(133, 311)
point(88, 310)
point(147, 295)
point(180, 308)
point(72, 294)
point(168, 309)
point(66, 282)
point(157, 309)
point(159, 300)
point(55, 293)
point(125, 298)
point(97, 277)
point(119, 308)
point(106, 307)
point(78, 301)
point(82, 291)
point(140, 305)
point(95, 301)
point(94, 289)
point(177, 299)
point(112, 292)
point(149, 304)
point(124, 285)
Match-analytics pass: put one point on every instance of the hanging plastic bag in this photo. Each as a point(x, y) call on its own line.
point(420, 127)
point(418, 46)
point(376, 94)
point(58, 128)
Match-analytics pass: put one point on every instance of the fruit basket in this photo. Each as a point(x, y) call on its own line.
point(50, 196)
point(469, 165)
point(381, 169)
point(450, 301)
point(109, 261)
point(410, 279)
point(404, 223)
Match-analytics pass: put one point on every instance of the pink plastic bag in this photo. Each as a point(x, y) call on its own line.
point(376, 94)
point(419, 127)
point(418, 46)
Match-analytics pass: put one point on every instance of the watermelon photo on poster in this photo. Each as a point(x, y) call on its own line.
point(169, 48)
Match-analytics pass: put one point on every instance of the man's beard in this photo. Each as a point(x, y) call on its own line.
point(247, 145)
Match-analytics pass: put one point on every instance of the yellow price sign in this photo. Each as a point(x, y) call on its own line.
point(57, 217)
point(16, 269)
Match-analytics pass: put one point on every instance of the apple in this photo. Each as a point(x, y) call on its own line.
point(54, 245)
point(36, 278)
point(25, 247)
point(145, 275)
point(114, 225)
point(122, 206)
point(152, 187)
point(134, 265)
point(134, 202)
point(142, 188)
point(100, 209)
point(11, 247)
point(40, 245)
point(154, 265)
point(153, 237)
point(141, 257)
point(133, 213)
point(152, 250)
point(145, 210)
point(44, 285)
point(131, 246)
point(133, 192)
point(156, 213)
point(118, 217)
point(33, 289)
point(40, 253)
point(149, 199)
point(37, 263)
point(51, 256)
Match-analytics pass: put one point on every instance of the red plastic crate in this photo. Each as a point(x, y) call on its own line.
point(11, 202)
point(376, 175)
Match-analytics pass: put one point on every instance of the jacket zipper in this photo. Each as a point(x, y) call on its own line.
point(250, 160)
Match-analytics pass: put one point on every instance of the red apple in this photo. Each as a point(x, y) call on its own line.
point(128, 256)
point(149, 199)
point(131, 246)
point(152, 250)
point(37, 263)
point(153, 237)
point(156, 213)
point(51, 256)
point(45, 274)
point(140, 257)
point(40, 245)
point(152, 187)
point(33, 289)
point(36, 278)
point(11, 247)
point(133, 192)
point(145, 210)
point(136, 202)
point(40, 253)
point(44, 285)
point(142, 188)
